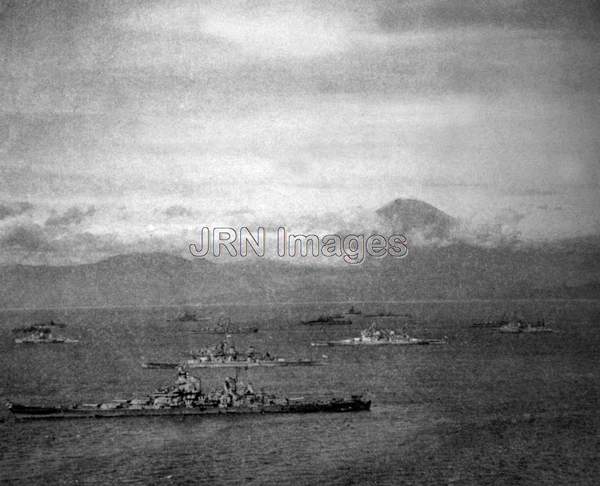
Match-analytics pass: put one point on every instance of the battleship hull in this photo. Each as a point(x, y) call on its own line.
point(23, 412)
point(231, 364)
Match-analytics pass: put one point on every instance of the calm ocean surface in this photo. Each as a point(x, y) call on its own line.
point(487, 408)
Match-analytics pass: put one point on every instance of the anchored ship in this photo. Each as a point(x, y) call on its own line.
point(42, 334)
point(389, 314)
point(199, 363)
point(186, 316)
point(518, 326)
point(186, 398)
point(40, 325)
point(492, 323)
point(329, 319)
point(225, 355)
point(45, 339)
point(372, 336)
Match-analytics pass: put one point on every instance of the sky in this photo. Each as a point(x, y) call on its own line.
point(129, 124)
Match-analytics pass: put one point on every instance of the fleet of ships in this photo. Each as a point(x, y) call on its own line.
point(186, 396)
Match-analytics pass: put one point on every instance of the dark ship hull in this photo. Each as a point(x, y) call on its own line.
point(354, 404)
point(216, 330)
point(330, 322)
point(194, 319)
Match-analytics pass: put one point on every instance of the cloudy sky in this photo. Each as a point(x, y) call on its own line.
point(133, 122)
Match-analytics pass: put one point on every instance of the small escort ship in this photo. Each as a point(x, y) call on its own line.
point(42, 334)
point(490, 324)
point(389, 314)
point(186, 316)
point(338, 319)
point(224, 355)
point(372, 336)
point(519, 326)
point(187, 398)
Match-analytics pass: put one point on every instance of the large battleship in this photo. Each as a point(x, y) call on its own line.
point(187, 398)
point(372, 336)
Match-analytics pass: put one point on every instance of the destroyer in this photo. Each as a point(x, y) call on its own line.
point(372, 336)
point(187, 398)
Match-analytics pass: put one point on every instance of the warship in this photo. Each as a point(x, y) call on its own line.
point(492, 323)
point(372, 336)
point(38, 326)
point(225, 355)
point(224, 363)
point(186, 316)
point(389, 314)
point(45, 339)
point(329, 319)
point(186, 398)
point(519, 326)
point(42, 334)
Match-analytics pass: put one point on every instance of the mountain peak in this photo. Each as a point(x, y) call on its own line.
point(417, 217)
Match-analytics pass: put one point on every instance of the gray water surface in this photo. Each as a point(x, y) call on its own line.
point(487, 408)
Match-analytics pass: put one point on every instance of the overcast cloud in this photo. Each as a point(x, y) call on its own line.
point(294, 108)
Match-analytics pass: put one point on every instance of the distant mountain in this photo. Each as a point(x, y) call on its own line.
point(414, 217)
point(455, 271)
